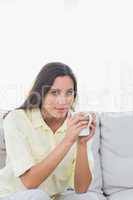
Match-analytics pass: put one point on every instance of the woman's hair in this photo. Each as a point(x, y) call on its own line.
point(43, 83)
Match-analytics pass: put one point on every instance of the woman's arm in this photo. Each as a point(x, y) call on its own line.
point(38, 173)
point(83, 176)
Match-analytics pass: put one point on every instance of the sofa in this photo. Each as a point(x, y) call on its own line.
point(2, 144)
point(112, 150)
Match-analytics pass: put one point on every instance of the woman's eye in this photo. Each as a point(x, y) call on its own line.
point(70, 92)
point(55, 93)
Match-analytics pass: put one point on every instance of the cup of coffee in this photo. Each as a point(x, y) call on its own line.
point(88, 117)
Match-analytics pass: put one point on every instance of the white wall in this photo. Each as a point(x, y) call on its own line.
point(93, 37)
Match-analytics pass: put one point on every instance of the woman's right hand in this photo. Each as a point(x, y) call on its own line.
point(75, 124)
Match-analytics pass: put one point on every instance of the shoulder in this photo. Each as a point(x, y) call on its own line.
point(15, 117)
point(16, 123)
point(13, 114)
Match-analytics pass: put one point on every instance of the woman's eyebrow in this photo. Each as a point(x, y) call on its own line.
point(57, 89)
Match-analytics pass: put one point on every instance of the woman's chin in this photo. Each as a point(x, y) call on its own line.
point(60, 115)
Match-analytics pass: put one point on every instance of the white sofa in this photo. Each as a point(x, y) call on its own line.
point(2, 145)
point(112, 149)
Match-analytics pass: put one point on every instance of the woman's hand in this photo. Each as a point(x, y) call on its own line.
point(75, 125)
point(84, 139)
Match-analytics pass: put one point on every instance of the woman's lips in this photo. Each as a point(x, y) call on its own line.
point(61, 109)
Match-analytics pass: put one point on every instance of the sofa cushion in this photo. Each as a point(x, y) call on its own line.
point(96, 184)
point(117, 151)
point(2, 145)
point(122, 195)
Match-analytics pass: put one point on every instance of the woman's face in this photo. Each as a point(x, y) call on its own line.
point(60, 97)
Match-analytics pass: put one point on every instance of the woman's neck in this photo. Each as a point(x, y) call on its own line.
point(52, 122)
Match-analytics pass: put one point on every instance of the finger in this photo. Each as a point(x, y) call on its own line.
point(89, 137)
point(92, 130)
point(92, 127)
point(93, 123)
point(81, 123)
point(93, 116)
point(78, 118)
point(69, 115)
point(80, 128)
point(68, 118)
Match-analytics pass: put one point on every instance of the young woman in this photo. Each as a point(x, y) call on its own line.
point(45, 155)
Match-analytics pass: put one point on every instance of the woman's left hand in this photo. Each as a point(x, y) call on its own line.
point(92, 127)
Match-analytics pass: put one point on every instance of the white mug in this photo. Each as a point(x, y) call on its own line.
point(85, 131)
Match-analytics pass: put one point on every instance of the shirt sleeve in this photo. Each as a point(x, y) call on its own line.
point(71, 180)
point(17, 147)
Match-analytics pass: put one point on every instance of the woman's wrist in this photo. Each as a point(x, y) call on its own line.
point(82, 142)
point(66, 141)
point(81, 145)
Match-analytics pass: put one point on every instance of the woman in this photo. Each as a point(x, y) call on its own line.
point(45, 155)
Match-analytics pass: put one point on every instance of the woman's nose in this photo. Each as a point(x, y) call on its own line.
point(62, 100)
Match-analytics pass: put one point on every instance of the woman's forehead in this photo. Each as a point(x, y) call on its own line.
point(62, 82)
